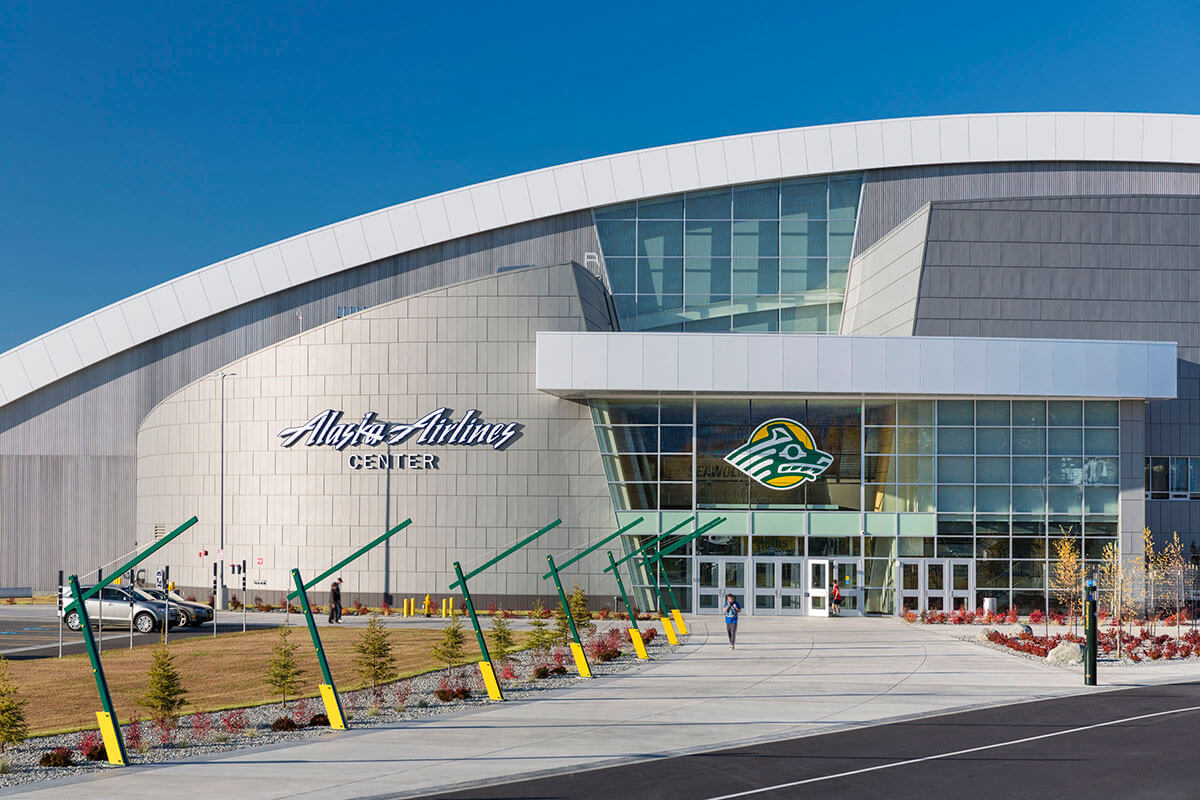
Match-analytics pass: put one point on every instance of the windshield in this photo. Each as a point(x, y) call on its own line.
point(148, 594)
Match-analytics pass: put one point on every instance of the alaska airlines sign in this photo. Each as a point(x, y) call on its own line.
point(780, 454)
point(437, 427)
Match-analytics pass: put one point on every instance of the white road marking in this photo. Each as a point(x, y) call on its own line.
point(951, 754)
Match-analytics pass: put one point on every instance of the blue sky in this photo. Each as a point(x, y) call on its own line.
point(139, 142)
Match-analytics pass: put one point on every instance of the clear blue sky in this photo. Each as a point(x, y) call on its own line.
point(141, 142)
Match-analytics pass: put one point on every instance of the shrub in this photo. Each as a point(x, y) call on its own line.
point(909, 616)
point(649, 634)
point(234, 603)
point(491, 609)
point(10, 601)
point(91, 746)
point(605, 646)
point(1036, 617)
point(13, 727)
point(385, 608)
point(58, 757)
point(453, 645)
point(133, 736)
point(234, 722)
point(400, 694)
point(202, 725)
point(6, 767)
point(450, 688)
point(284, 724)
point(374, 659)
point(283, 670)
point(507, 672)
point(164, 695)
point(318, 721)
point(541, 672)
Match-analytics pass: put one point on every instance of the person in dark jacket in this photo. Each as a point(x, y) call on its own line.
point(335, 602)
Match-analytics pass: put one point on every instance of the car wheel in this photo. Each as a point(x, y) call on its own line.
point(185, 619)
point(73, 621)
point(144, 622)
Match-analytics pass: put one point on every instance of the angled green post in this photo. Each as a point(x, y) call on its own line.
point(110, 727)
point(462, 580)
point(581, 663)
point(596, 546)
point(485, 666)
point(333, 703)
point(635, 633)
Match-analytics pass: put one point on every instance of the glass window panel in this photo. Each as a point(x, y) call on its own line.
point(992, 525)
point(843, 196)
point(676, 468)
point(778, 546)
point(1029, 526)
point(1066, 500)
point(1094, 548)
point(617, 412)
point(758, 321)
point(881, 440)
point(916, 547)
point(658, 239)
point(954, 525)
point(624, 211)
point(915, 412)
point(1100, 471)
point(1029, 574)
point(1029, 547)
point(676, 439)
point(799, 275)
point(634, 496)
point(1029, 412)
point(722, 412)
point(633, 439)
point(956, 469)
point(617, 238)
point(880, 412)
point(756, 276)
point(707, 239)
point(1029, 441)
point(1100, 442)
point(951, 547)
point(1099, 526)
point(992, 412)
point(838, 270)
point(1066, 470)
point(1178, 476)
point(806, 319)
point(622, 274)
point(660, 276)
point(1029, 470)
point(991, 441)
point(804, 199)
point(955, 440)
point(992, 470)
point(1065, 413)
point(706, 280)
point(760, 201)
point(675, 412)
point(955, 498)
point(915, 498)
point(1065, 441)
point(991, 499)
point(1193, 472)
point(991, 547)
point(756, 239)
point(707, 205)
point(1100, 499)
point(841, 239)
point(675, 495)
point(991, 574)
point(806, 239)
point(826, 546)
point(1100, 413)
point(1028, 500)
point(914, 441)
point(955, 412)
point(626, 308)
point(1159, 475)
point(915, 469)
point(661, 208)
point(725, 546)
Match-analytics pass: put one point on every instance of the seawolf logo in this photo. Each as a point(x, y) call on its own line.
point(781, 454)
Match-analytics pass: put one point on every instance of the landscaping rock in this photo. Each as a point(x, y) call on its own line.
point(982, 636)
point(1018, 629)
point(1066, 653)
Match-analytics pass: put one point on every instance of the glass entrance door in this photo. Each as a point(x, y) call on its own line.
point(962, 583)
point(820, 572)
point(847, 573)
point(717, 577)
point(936, 584)
point(778, 586)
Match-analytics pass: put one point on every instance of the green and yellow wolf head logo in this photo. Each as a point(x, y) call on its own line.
point(781, 454)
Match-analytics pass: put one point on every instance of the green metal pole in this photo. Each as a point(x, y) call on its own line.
point(596, 546)
point(621, 589)
point(312, 628)
point(97, 667)
point(505, 554)
point(462, 582)
point(562, 597)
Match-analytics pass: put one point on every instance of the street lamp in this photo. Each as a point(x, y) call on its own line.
point(219, 600)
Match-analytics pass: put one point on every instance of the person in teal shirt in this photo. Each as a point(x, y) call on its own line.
point(732, 609)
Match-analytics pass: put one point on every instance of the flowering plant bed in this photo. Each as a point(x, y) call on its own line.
point(1134, 647)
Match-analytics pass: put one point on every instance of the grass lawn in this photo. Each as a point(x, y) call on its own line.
point(225, 672)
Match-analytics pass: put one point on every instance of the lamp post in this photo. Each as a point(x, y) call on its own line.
point(219, 600)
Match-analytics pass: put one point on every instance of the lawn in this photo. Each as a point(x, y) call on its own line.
point(219, 673)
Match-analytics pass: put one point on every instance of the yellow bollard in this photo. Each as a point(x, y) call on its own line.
point(669, 630)
point(109, 733)
point(679, 621)
point(580, 661)
point(489, 680)
point(332, 709)
point(638, 644)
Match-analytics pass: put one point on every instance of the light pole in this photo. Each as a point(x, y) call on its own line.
point(219, 600)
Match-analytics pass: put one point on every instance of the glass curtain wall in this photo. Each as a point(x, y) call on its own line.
point(762, 257)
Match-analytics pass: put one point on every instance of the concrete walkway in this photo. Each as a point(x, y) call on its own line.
point(788, 677)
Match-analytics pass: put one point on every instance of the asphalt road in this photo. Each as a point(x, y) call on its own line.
point(1136, 743)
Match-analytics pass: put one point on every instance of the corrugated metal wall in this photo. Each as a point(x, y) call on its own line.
point(67, 452)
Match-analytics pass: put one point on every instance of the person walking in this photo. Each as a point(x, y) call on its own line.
point(835, 599)
point(335, 602)
point(732, 609)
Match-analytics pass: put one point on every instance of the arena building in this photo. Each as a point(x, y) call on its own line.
point(906, 356)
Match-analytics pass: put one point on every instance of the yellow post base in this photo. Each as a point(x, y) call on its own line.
point(669, 630)
point(639, 645)
point(580, 661)
point(489, 680)
point(679, 621)
point(332, 709)
point(109, 732)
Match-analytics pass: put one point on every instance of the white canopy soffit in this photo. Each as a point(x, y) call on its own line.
point(583, 364)
point(581, 185)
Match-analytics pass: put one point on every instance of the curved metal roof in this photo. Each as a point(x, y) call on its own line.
point(796, 152)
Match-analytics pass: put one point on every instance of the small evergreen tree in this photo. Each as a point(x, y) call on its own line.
point(540, 638)
point(454, 643)
point(562, 630)
point(502, 637)
point(283, 670)
point(375, 662)
point(13, 727)
point(164, 695)
point(578, 603)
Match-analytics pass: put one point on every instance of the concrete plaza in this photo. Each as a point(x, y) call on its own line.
point(788, 677)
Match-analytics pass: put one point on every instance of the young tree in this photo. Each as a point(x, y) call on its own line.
point(541, 638)
point(164, 695)
point(374, 659)
point(283, 670)
point(1066, 574)
point(1176, 574)
point(453, 645)
point(578, 603)
point(502, 636)
point(13, 727)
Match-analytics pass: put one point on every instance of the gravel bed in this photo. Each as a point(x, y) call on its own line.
point(361, 707)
